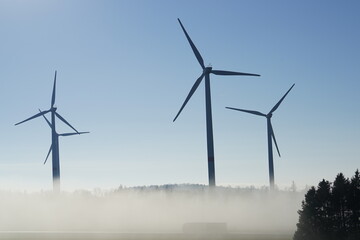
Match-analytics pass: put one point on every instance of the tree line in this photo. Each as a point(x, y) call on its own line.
point(331, 211)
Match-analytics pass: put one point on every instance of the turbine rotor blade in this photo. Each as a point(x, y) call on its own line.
point(229, 73)
point(196, 52)
point(248, 111)
point(273, 136)
point(53, 93)
point(46, 120)
point(278, 104)
point(48, 154)
point(66, 122)
point(193, 89)
point(70, 134)
point(35, 116)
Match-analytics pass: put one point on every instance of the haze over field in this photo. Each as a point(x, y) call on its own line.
point(150, 210)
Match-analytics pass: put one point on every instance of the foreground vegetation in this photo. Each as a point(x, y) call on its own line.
point(331, 211)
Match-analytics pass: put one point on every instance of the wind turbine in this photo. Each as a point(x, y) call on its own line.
point(54, 137)
point(270, 134)
point(59, 135)
point(209, 129)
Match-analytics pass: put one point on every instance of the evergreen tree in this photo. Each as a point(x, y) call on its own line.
point(340, 192)
point(306, 228)
point(324, 213)
point(353, 205)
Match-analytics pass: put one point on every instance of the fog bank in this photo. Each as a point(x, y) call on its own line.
point(156, 210)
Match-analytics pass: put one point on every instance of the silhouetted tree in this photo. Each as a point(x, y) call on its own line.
point(353, 205)
point(306, 228)
point(340, 190)
point(324, 213)
point(332, 211)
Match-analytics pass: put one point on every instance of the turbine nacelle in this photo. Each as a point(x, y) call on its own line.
point(207, 70)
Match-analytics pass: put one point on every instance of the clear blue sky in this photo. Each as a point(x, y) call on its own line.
point(125, 68)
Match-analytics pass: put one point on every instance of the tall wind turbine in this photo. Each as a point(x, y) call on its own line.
point(54, 137)
point(270, 134)
point(209, 129)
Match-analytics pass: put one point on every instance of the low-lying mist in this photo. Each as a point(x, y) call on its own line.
point(151, 209)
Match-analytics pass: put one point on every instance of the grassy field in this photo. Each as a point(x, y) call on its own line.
point(138, 236)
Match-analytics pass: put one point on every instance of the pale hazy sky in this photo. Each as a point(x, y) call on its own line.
point(125, 68)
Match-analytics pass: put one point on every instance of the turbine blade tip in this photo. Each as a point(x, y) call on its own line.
point(175, 117)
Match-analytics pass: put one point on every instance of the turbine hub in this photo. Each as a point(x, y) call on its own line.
point(269, 115)
point(207, 69)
